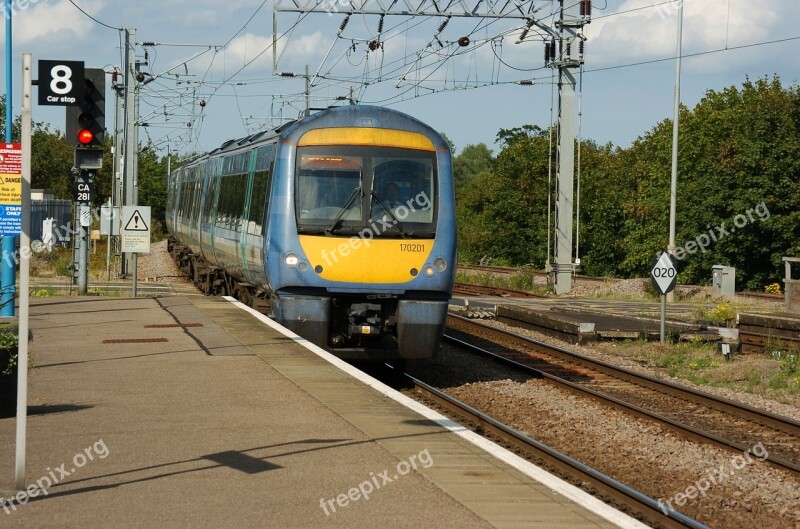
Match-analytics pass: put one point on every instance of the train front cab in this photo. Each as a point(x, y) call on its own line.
point(371, 267)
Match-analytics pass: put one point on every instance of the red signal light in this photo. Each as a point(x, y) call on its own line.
point(85, 137)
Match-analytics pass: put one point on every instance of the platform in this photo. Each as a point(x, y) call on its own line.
point(186, 411)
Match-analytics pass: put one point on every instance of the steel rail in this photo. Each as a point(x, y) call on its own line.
point(602, 486)
point(685, 429)
point(764, 418)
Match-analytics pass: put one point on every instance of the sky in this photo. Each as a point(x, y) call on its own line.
point(221, 54)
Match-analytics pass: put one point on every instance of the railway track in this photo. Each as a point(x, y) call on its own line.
point(479, 290)
point(508, 270)
point(613, 492)
point(694, 414)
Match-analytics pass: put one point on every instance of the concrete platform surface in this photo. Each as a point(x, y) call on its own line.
point(184, 411)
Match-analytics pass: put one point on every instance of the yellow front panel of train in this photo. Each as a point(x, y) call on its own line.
point(366, 136)
point(357, 260)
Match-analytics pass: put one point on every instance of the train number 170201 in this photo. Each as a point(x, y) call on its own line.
point(416, 248)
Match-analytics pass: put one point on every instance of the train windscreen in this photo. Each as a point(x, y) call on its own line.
point(346, 189)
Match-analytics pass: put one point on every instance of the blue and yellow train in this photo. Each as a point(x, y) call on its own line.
point(344, 220)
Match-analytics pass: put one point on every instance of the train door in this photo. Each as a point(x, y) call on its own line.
point(209, 213)
point(244, 244)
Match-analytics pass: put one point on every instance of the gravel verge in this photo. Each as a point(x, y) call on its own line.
point(791, 410)
point(738, 489)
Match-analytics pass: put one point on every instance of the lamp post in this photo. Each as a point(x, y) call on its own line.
point(675, 124)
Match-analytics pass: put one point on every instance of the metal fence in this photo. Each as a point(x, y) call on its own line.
point(61, 210)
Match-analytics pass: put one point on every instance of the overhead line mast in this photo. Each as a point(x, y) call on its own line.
point(567, 59)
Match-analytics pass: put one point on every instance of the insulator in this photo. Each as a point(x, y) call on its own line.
point(344, 23)
point(443, 25)
point(380, 25)
point(463, 42)
point(202, 103)
point(586, 8)
point(148, 43)
point(581, 47)
point(523, 35)
point(286, 74)
point(553, 49)
point(546, 52)
point(374, 45)
point(526, 82)
point(439, 41)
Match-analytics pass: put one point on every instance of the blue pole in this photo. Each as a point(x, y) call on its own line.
point(7, 264)
point(9, 114)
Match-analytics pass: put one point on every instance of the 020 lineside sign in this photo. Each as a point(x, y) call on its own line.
point(10, 188)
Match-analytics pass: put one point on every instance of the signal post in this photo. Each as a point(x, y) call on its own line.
point(82, 91)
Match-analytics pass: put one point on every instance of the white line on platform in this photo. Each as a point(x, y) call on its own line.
point(558, 485)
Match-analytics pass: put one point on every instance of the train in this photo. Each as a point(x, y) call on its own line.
point(341, 224)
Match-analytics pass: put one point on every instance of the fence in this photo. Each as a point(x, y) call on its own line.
point(61, 210)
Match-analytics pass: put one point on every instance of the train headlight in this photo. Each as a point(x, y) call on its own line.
point(292, 260)
point(440, 264)
point(429, 271)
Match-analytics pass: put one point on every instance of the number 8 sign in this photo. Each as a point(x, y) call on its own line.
point(61, 83)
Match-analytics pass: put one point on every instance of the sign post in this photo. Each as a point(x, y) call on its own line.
point(135, 234)
point(664, 276)
point(24, 274)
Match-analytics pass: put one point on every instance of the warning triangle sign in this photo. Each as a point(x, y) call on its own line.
point(136, 223)
point(2, 181)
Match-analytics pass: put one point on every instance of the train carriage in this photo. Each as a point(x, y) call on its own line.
point(345, 220)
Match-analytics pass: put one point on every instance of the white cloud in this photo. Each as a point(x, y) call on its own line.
point(36, 20)
point(248, 48)
point(651, 33)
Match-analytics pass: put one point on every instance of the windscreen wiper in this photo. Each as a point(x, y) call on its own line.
point(337, 221)
point(391, 214)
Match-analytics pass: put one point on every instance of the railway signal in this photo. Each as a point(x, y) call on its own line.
point(86, 121)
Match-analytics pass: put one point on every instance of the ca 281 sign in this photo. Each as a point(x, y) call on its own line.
point(61, 83)
point(83, 192)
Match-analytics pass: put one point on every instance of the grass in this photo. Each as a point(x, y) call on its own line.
point(775, 376)
point(57, 263)
point(523, 280)
point(722, 315)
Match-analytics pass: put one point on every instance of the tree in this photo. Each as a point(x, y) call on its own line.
point(738, 156)
point(473, 160)
point(502, 212)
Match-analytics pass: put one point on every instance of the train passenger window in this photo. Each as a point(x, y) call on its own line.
point(265, 160)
